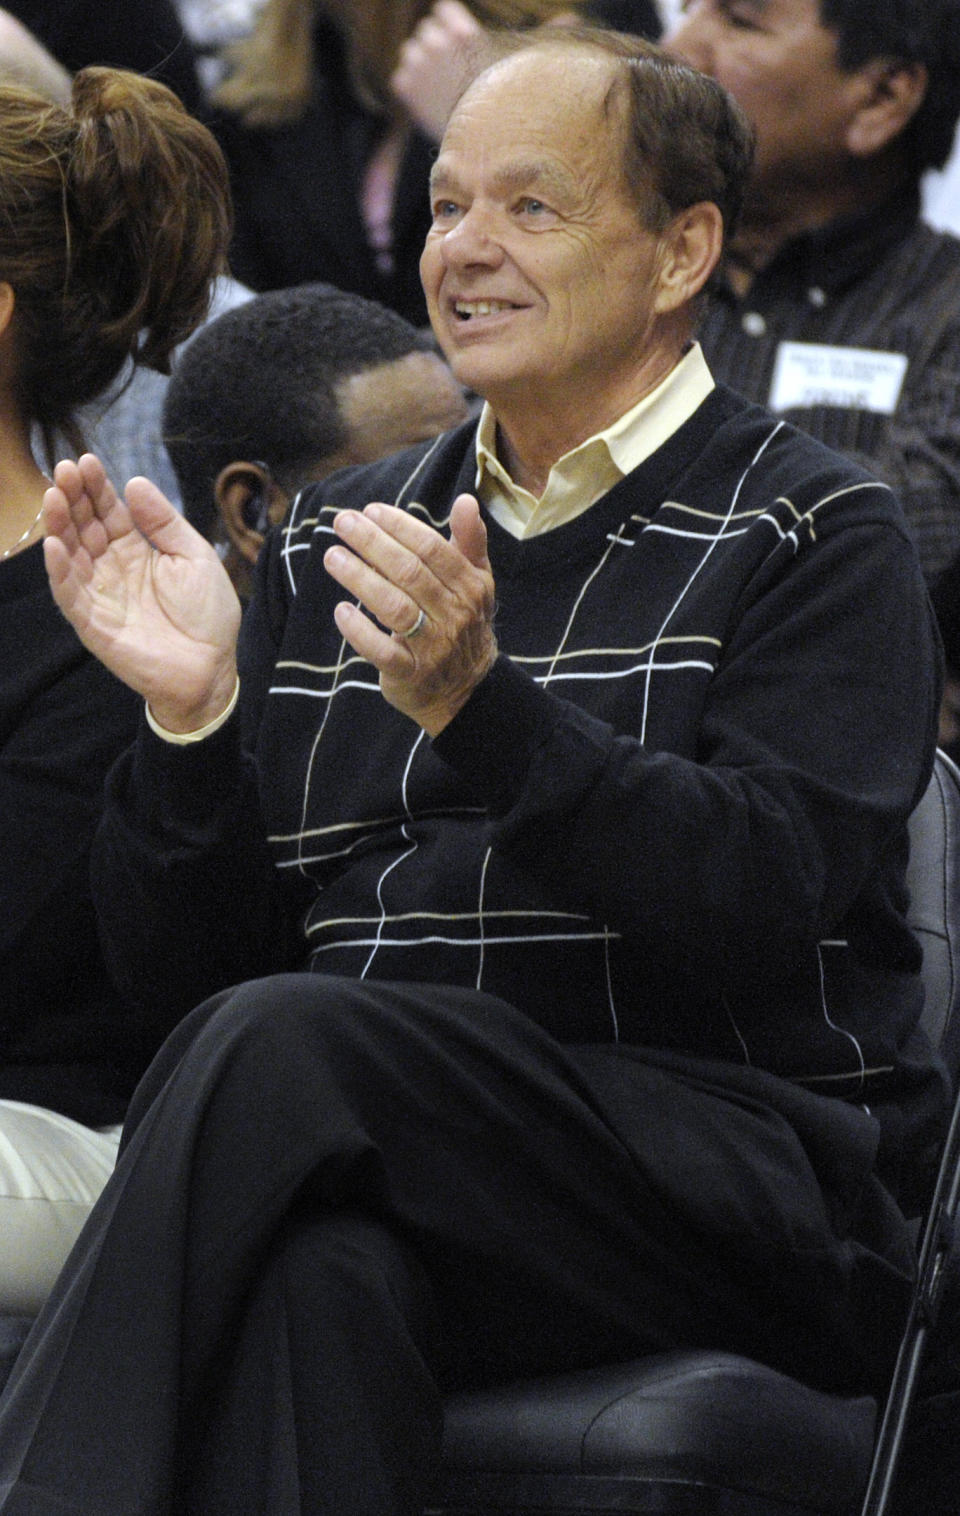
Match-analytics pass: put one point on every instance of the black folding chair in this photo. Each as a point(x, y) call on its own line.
point(714, 1432)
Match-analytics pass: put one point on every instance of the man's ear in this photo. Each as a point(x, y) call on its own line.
point(692, 244)
point(249, 501)
point(893, 92)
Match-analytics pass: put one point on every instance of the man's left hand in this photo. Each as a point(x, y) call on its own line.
point(430, 601)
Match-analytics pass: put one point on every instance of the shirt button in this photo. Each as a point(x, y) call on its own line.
point(817, 297)
point(753, 324)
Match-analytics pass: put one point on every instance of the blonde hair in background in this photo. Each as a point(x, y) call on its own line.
point(271, 71)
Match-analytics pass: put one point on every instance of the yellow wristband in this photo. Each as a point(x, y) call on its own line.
point(183, 739)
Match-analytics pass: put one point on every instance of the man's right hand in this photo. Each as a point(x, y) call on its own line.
point(146, 593)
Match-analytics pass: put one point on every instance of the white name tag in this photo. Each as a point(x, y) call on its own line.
point(857, 378)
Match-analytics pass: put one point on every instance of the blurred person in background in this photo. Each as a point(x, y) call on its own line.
point(123, 424)
point(114, 220)
point(836, 304)
point(24, 60)
point(147, 38)
point(284, 389)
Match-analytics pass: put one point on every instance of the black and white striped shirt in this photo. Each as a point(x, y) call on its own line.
point(883, 284)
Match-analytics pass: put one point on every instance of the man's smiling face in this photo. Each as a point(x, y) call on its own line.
point(540, 278)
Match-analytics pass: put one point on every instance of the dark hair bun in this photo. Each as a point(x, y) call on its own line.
point(114, 219)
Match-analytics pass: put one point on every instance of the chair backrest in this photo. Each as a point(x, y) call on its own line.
point(933, 877)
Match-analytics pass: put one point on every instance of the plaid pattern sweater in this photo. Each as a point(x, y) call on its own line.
point(673, 815)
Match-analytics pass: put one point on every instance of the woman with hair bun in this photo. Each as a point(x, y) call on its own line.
point(114, 220)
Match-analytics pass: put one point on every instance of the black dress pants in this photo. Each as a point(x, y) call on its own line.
point(334, 1199)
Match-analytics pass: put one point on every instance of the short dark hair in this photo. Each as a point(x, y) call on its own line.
point(685, 139)
point(911, 31)
point(259, 383)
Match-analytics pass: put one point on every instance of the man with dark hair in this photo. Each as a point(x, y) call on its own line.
point(561, 1005)
point(286, 388)
point(835, 304)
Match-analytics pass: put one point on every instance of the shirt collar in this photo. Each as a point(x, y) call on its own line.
point(840, 254)
point(589, 470)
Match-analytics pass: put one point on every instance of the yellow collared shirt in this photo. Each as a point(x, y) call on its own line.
point(588, 471)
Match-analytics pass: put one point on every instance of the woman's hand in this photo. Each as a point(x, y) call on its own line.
point(145, 592)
